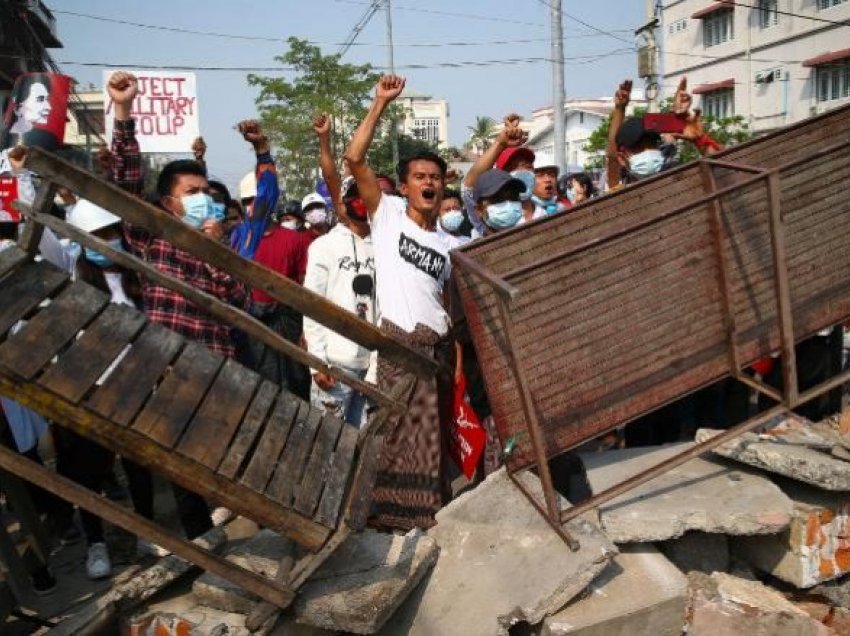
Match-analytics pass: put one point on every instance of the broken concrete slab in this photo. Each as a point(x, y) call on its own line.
point(802, 463)
point(698, 551)
point(814, 548)
point(700, 495)
point(365, 581)
point(724, 605)
point(640, 592)
point(837, 592)
point(500, 564)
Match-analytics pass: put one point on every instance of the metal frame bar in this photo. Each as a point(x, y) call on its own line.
point(786, 400)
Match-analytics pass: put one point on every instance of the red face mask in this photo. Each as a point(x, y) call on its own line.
point(356, 209)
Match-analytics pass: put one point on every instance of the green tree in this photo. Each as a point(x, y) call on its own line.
point(380, 155)
point(481, 133)
point(322, 83)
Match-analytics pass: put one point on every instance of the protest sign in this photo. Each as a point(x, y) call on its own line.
point(37, 111)
point(8, 193)
point(165, 110)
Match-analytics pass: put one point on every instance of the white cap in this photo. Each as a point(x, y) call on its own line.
point(248, 186)
point(314, 198)
point(89, 217)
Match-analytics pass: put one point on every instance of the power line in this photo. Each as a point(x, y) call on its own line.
point(452, 14)
point(610, 34)
point(256, 38)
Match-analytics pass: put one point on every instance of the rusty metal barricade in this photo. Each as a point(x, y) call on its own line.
point(585, 321)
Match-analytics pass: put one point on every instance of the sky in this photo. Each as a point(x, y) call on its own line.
point(493, 31)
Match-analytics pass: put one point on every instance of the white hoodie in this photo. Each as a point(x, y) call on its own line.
point(333, 261)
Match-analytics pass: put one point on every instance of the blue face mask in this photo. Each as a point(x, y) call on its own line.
point(646, 163)
point(99, 260)
point(218, 213)
point(504, 215)
point(451, 221)
point(571, 195)
point(550, 205)
point(527, 177)
point(197, 208)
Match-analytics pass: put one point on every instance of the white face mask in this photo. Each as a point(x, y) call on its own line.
point(316, 216)
point(646, 163)
point(290, 224)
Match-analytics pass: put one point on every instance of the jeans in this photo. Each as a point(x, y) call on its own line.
point(341, 400)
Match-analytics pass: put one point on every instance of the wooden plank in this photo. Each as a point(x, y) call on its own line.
point(337, 478)
point(265, 458)
point(175, 401)
point(318, 466)
point(28, 351)
point(256, 276)
point(135, 523)
point(129, 385)
point(24, 289)
point(359, 503)
point(31, 236)
point(210, 431)
point(249, 430)
point(90, 355)
point(216, 307)
point(10, 258)
point(291, 467)
point(127, 443)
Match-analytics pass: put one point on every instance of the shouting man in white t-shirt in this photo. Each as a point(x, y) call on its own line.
point(412, 267)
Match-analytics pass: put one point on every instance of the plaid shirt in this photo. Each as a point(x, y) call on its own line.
point(163, 306)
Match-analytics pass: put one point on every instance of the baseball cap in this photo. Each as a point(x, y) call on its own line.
point(632, 132)
point(516, 153)
point(492, 181)
point(313, 199)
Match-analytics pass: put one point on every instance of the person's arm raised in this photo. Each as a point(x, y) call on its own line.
point(693, 131)
point(322, 128)
point(621, 102)
point(389, 88)
point(510, 136)
point(126, 162)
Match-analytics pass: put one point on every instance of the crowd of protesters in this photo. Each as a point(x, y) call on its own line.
point(379, 249)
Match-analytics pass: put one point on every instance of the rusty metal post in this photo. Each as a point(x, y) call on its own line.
point(783, 292)
point(716, 218)
point(531, 421)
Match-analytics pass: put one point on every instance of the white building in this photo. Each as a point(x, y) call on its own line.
point(582, 117)
point(766, 61)
point(426, 117)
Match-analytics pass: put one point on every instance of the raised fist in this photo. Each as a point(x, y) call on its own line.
point(623, 95)
point(199, 148)
point(123, 87)
point(683, 100)
point(322, 125)
point(389, 87)
point(17, 157)
point(251, 131)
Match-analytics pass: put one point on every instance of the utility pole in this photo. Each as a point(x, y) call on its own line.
point(648, 55)
point(391, 66)
point(558, 95)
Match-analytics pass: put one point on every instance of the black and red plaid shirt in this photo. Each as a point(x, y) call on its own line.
point(163, 306)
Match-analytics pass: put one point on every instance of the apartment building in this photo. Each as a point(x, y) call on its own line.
point(426, 117)
point(773, 62)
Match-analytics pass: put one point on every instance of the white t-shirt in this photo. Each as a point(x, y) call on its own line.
point(411, 266)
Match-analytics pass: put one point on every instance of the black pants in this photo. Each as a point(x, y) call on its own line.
point(274, 366)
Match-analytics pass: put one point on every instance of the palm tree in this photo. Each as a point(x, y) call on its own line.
point(481, 133)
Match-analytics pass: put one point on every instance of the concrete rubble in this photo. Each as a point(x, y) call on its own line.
point(777, 455)
point(698, 551)
point(698, 495)
point(816, 545)
point(725, 605)
point(500, 564)
point(640, 592)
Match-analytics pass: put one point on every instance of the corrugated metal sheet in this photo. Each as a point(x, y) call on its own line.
point(629, 323)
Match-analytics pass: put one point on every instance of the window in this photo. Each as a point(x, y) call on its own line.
point(768, 13)
point(833, 81)
point(717, 28)
point(427, 128)
point(719, 104)
point(826, 4)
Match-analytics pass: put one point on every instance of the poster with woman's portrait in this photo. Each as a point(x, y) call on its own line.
point(37, 111)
